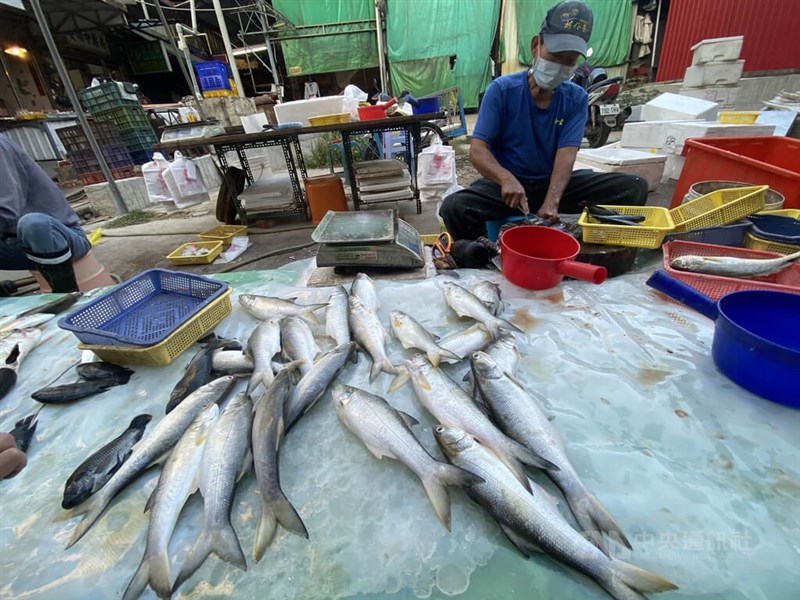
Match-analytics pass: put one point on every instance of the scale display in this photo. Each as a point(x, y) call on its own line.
point(374, 238)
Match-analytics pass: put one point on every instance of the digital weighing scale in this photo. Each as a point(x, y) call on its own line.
point(367, 238)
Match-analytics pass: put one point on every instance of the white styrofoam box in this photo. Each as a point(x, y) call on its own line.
point(636, 113)
point(208, 171)
point(267, 193)
point(680, 132)
point(645, 134)
point(132, 189)
point(674, 107)
point(614, 159)
point(717, 49)
point(673, 167)
point(724, 95)
point(714, 73)
point(300, 110)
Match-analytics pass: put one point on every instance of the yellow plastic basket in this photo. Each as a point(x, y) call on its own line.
point(719, 208)
point(756, 243)
point(329, 119)
point(224, 233)
point(219, 94)
point(738, 116)
point(175, 344)
point(647, 234)
point(793, 213)
point(214, 250)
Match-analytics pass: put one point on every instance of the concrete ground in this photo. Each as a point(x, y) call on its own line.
point(127, 251)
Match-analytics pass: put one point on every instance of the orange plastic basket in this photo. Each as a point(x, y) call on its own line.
point(713, 286)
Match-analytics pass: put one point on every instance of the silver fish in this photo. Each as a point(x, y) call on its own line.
point(519, 415)
point(95, 471)
point(728, 266)
point(465, 304)
point(364, 289)
point(298, 343)
point(177, 482)
point(532, 522)
point(267, 307)
point(413, 335)
point(231, 362)
point(488, 292)
point(313, 384)
point(337, 325)
point(264, 343)
point(150, 449)
point(505, 353)
point(451, 405)
point(226, 449)
point(267, 433)
point(465, 342)
point(386, 431)
point(371, 336)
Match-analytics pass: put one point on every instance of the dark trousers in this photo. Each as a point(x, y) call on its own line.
point(465, 213)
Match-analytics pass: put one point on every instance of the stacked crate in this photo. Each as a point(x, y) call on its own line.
point(715, 72)
point(107, 102)
point(82, 158)
point(215, 80)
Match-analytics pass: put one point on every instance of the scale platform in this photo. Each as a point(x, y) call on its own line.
point(368, 238)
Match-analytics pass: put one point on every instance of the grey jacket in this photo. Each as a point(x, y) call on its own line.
point(26, 188)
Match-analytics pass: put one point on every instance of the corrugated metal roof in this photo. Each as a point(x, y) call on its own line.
point(769, 27)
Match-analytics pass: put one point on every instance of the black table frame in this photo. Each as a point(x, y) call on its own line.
point(289, 141)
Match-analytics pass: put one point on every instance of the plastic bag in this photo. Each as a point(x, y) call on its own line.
point(436, 166)
point(352, 96)
point(154, 182)
point(185, 182)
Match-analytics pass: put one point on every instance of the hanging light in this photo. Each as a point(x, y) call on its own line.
point(17, 51)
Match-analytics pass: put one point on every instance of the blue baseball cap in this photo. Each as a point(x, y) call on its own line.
point(567, 27)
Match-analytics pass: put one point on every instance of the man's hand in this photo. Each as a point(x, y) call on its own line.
point(514, 194)
point(549, 211)
point(12, 461)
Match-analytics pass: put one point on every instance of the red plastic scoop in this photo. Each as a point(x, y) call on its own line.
point(537, 258)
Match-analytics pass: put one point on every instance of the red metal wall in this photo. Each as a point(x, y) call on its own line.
point(771, 30)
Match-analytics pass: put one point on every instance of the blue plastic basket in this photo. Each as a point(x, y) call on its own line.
point(141, 156)
point(144, 310)
point(426, 106)
point(728, 235)
point(213, 75)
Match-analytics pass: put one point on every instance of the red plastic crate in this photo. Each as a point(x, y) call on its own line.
point(713, 286)
point(772, 161)
point(98, 177)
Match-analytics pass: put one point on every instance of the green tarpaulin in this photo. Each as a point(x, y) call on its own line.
point(420, 30)
point(611, 33)
point(328, 53)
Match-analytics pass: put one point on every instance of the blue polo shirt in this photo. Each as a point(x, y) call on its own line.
point(523, 137)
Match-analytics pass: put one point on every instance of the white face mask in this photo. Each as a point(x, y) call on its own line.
point(548, 74)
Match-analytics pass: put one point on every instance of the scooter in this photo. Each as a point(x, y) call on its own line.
point(604, 112)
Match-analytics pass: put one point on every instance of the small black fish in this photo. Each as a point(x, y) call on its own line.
point(198, 372)
point(632, 220)
point(95, 471)
point(104, 371)
point(54, 307)
point(8, 378)
point(23, 431)
point(599, 211)
point(64, 394)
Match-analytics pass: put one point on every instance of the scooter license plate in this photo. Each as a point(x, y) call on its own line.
point(609, 110)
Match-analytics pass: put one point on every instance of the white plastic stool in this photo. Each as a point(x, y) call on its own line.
point(89, 274)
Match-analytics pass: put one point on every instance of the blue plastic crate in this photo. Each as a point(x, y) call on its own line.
point(213, 75)
point(144, 310)
point(728, 235)
point(141, 156)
